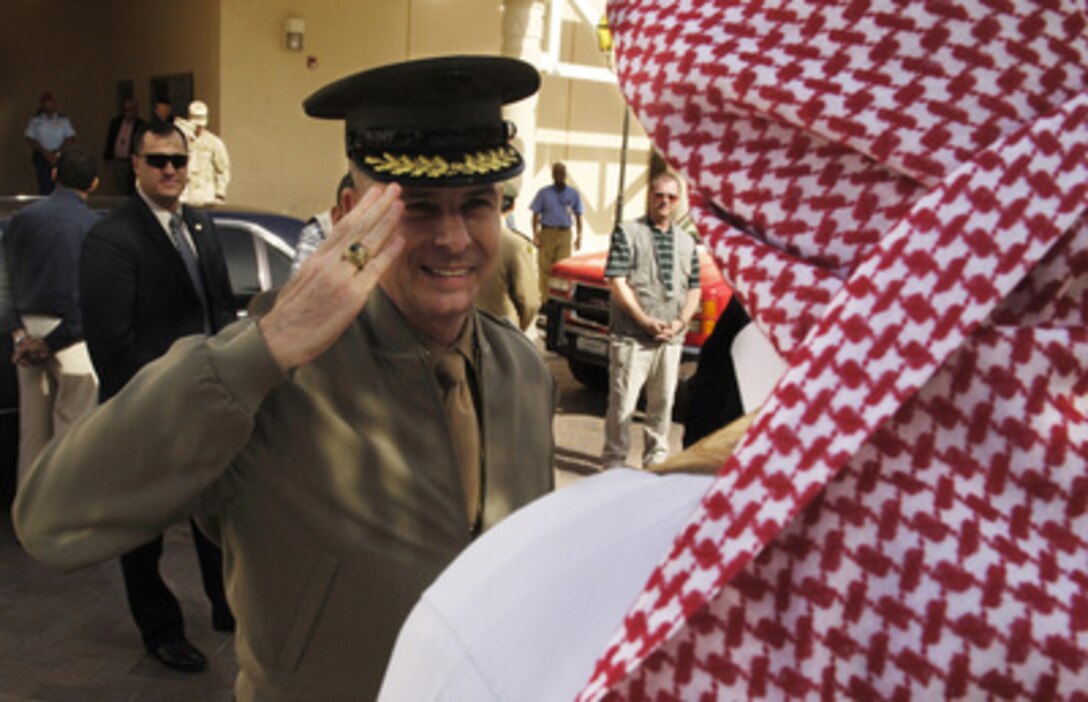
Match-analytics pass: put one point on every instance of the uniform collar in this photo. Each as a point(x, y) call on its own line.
point(395, 335)
point(464, 345)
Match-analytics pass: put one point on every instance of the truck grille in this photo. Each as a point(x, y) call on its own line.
point(596, 297)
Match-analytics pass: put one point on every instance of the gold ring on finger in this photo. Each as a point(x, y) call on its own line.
point(356, 254)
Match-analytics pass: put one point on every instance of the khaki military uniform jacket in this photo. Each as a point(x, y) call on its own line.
point(334, 492)
point(209, 170)
point(512, 291)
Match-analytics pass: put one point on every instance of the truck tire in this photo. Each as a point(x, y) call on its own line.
point(591, 375)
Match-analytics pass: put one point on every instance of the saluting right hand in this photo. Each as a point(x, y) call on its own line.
point(327, 293)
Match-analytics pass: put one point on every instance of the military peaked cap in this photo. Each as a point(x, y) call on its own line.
point(435, 122)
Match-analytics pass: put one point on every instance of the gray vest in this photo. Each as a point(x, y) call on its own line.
point(645, 281)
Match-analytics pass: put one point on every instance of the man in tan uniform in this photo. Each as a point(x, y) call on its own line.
point(353, 440)
point(511, 291)
point(209, 163)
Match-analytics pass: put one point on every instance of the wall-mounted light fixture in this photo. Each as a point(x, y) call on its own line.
point(293, 29)
point(604, 35)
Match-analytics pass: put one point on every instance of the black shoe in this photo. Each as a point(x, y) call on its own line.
point(222, 619)
point(179, 654)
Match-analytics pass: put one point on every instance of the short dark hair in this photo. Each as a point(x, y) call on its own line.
point(159, 129)
point(77, 168)
point(346, 183)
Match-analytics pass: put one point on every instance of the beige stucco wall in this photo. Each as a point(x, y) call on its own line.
point(164, 38)
point(580, 123)
point(79, 50)
point(283, 160)
point(48, 46)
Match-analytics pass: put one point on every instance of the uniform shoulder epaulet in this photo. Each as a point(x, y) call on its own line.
point(506, 327)
point(494, 318)
point(522, 236)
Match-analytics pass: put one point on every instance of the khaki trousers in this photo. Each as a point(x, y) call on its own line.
point(52, 396)
point(633, 364)
point(555, 245)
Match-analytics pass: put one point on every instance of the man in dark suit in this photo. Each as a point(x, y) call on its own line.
point(151, 272)
point(117, 154)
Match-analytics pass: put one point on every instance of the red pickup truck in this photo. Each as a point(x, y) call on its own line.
point(577, 313)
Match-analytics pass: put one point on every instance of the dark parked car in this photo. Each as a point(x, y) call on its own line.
point(258, 246)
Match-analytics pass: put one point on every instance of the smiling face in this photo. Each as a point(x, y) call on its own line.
point(451, 236)
point(162, 186)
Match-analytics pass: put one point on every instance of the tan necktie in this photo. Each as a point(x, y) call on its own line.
point(461, 415)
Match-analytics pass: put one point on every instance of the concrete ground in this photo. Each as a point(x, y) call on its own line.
point(69, 637)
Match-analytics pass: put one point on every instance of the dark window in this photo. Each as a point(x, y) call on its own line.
point(279, 264)
point(241, 261)
point(175, 89)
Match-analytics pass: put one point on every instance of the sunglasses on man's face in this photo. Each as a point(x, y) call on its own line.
point(178, 161)
point(667, 196)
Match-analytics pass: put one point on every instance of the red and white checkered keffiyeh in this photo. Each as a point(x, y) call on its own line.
point(896, 189)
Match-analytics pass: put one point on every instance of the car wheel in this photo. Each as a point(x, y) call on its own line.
point(591, 375)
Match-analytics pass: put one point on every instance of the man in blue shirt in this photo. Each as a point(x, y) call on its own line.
point(47, 133)
point(57, 383)
point(555, 208)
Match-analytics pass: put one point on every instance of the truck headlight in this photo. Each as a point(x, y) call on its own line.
point(559, 285)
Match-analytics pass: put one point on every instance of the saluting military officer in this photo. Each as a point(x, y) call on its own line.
point(354, 439)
